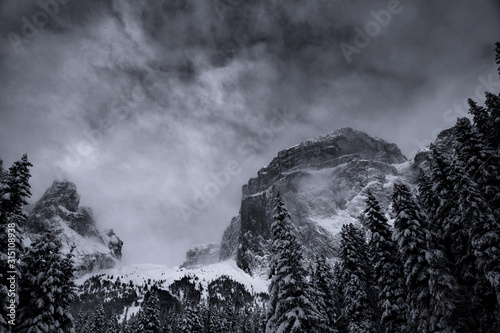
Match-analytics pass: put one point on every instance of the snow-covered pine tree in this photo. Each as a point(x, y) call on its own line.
point(479, 159)
point(410, 235)
point(338, 298)
point(387, 269)
point(216, 322)
point(113, 326)
point(259, 319)
point(230, 318)
point(475, 215)
point(321, 281)
point(149, 316)
point(432, 292)
point(356, 281)
point(426, 196)
point(81, 322)
point(442, 187)
point(481, 118)
point(497, 58)
point(446, 298)
point(476, 180)
point(14, 191)
point(47, 288)
point(98, 322)
point(291, 307)
point(492, 102)
point(191, 320)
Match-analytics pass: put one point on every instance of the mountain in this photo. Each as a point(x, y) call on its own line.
point(323, 182)
point(58, 211)
point(202, 254)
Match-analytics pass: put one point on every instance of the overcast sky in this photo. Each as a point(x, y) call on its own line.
point(147, 105)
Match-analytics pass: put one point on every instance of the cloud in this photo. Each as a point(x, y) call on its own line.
point(149, 105)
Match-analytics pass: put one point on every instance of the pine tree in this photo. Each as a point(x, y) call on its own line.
point(98, 323)
point(81, 322)
point(47, 288)
point(478, 159)
point(322, 284)
point(14, 191)
point(497, 58)
point(338, 299)
point(291, 307)
point(481, 118)
point(215, 321)
point(356, 281)
point(432, 290)
point(492, 102)
point(149, 316)
point(483, 232)
point(476, 208)
point(426, 196)
point(410, 235)
point(191, 320)
point(112, 325)
point(388, 269)
point(441, 189)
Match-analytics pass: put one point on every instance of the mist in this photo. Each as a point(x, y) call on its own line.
point(159, 111)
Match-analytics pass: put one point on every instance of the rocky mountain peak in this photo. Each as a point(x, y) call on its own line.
point(58, 211)
point(323, 182)
point(325, 151)
point(61, 193)
point(202, 254)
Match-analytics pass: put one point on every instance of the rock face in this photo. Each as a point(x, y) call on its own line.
point(444, 144)
point(230, 239)
point(203, 254)
point(58, 211)
point(323, 183)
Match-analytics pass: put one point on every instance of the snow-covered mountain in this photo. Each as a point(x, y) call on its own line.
point(202, 254)
point(323, 182)
point(58, 211)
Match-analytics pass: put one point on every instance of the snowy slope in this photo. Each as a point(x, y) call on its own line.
point(140, 273)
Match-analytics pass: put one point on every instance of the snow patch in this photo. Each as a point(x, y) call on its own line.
point(140, 273)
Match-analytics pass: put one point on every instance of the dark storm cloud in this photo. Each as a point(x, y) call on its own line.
point(161, 110)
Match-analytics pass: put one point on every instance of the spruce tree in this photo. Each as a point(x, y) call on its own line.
point(474, 214)
point(433, 300)
point(99, 322)
point(441, 189)
point(47, 288)
point(492, 102)
point(149, 316)
point(191, 320)
point(356, 281)
point(479, 160)
point(338, 299)
point(426, 196)
point(387, 269)
point(410, 235)
point(14, 191)
point(322, 284)
point(481, 118)
point(497, 58)
point(291, 307)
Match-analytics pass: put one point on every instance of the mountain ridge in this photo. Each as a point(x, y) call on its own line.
point(59, 211)
point(323, 180)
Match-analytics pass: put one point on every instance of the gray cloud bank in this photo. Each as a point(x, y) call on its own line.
point(160, 110)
